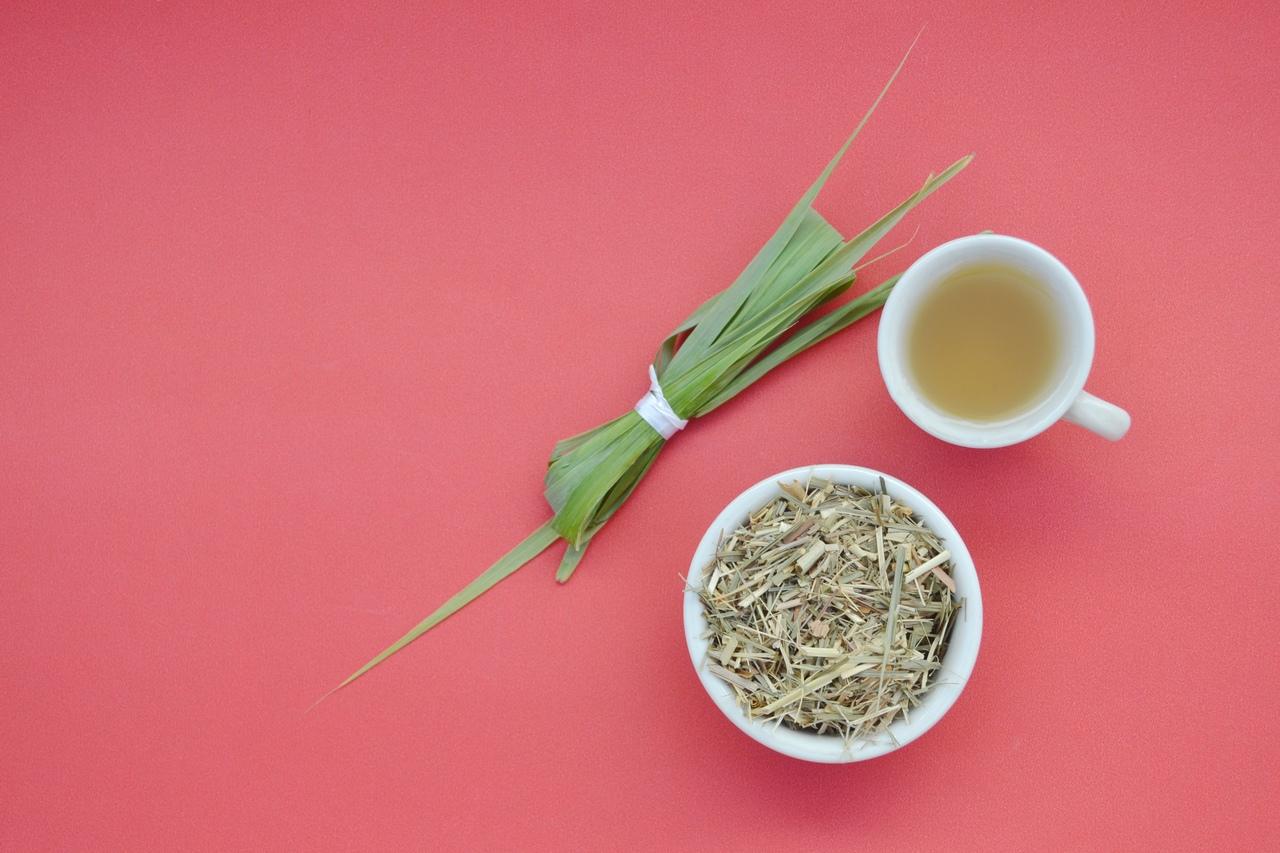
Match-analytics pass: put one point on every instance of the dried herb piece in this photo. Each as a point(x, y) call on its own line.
point(829, 609)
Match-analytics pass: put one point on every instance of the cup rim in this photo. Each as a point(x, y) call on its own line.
point(958, 662)
point(926, 272)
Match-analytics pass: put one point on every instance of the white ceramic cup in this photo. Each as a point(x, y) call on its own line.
point(957, 663)
point(1065, 397)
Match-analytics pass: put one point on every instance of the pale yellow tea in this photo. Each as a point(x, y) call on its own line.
point(984, 344)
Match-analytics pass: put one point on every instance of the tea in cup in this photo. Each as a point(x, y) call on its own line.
point(987, 340)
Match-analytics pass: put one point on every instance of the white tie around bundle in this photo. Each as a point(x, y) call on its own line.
point(657, 412)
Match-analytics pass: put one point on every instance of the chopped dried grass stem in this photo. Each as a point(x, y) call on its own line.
point(829, 609)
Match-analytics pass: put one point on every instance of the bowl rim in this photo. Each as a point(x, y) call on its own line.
point(958, 662)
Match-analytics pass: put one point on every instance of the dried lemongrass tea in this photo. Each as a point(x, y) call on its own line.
point(829, 610)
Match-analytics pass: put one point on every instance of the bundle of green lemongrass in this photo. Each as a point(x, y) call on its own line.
point(730, 341)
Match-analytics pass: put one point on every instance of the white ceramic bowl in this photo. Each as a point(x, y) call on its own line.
point(957, 664)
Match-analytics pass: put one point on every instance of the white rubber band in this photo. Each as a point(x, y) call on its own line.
point(657, 412)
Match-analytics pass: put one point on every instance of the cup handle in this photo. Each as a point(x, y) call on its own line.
point(1097, 415)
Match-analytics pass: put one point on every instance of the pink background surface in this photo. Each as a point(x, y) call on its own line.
point(295, 300)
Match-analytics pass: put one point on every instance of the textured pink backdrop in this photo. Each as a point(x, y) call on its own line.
point(295, 299)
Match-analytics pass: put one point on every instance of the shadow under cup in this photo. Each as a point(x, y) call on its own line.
point(1071, 315)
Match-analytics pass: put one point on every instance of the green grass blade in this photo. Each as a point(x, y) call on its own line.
point(854, 250)
point(568, 563)
point(725, 307)
point(891, 623)
point(566, 445)
point(813, 241)
point(814, 333)
point(612, 502)
point(567, 472)
point(834, 267)
point(533, 545)
point(594, 478)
